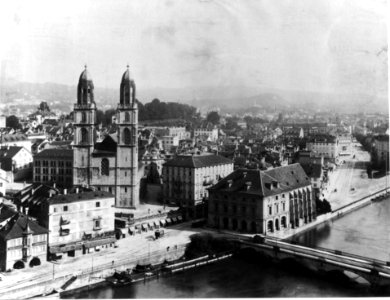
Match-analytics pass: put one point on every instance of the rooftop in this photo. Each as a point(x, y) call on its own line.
point(55, 153)
point(264, 183)
point(197, 161)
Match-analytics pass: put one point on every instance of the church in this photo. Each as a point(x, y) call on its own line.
point(110, 165)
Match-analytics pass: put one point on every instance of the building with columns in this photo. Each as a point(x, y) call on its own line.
point(265, 202)
point(112, 164)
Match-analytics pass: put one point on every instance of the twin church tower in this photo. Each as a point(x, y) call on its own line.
point(111, 164)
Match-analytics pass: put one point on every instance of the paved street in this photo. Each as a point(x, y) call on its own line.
point(131, 246)
point(350, 180)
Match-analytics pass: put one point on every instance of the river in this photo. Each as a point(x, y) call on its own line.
point(363, 232)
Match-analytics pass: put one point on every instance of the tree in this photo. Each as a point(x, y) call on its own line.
point(13, 122)
point(213, 117)
point(44, 107)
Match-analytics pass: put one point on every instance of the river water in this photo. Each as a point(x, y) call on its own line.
point(363, 232)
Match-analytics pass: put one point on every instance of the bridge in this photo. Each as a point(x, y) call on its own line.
point(361, 269)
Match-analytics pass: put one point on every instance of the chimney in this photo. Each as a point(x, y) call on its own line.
point(26, 213)
point(77, 190)
point(244, 174)
point(54, 185)
point(248, 185)
point(65, 191)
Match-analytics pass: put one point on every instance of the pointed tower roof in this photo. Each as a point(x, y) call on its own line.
point(85, 76)
point(126, 76)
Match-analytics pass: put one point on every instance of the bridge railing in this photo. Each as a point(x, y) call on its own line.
point(277, 242)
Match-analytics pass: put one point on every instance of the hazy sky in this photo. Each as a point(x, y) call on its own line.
point(312, 45)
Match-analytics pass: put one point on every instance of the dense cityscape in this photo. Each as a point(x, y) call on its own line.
point(122, 193)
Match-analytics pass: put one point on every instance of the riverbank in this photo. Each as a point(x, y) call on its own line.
point(341, 211)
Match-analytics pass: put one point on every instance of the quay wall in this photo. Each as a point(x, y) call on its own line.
point(89, 276)
point(341, 211)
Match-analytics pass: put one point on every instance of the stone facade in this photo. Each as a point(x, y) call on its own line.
point(255, 201)
point(54, 166)
point(111, 165)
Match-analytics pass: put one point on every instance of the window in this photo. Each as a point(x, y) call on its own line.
point(270, 210)
point(127, 117)
point(83, 117)
point(97, 204)
point(125, 174)
point(126, 136)
point(277, 197)
point(65, 207)
point(125, 189)
point(84, 135)
point(105, 167)
point(96, 224)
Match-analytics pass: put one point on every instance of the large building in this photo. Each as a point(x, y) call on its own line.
point(17, 162)
point(112, 164)
point(324, 145)
point(264, 202)
point(79, 221)
point(54, 166)
point(22, 241)
point(187, 177)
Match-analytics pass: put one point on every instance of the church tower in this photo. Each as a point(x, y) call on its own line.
point(84, 116)
point(127, 188)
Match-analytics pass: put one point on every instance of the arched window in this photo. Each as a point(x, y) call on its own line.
point(105, 167)
point(84, 135)
point(83, 117)
point(127, 117)
point(126, 136)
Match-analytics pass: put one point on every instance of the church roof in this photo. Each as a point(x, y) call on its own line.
point(126, 76)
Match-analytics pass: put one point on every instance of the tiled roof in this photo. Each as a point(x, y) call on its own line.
point(76, 197)
point(6, 155)
point(14, 137)
point(18, 225)
point(264, 183)
point(313, 170)
point(6, 212)
point(197, 161)
point(55, 153)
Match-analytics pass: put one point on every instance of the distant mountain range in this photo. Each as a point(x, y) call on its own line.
point(229, 99)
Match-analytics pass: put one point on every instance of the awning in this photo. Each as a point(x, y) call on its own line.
point(144, 226)
point(162, 222)
point(156, 223)
point(92, 244)
point(65, 248)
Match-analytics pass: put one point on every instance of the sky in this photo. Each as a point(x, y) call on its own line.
point(323, 45)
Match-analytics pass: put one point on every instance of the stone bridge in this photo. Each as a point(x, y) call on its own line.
point(359, 268)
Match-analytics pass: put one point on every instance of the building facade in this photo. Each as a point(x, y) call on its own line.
point(112, 164)
point(17, 162)
point(187, 177)
point(54, 166)
point(326, 146)
point(79, 223)
point(22, 243)
point(255, 201)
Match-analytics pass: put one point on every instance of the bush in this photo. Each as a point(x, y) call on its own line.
point(206, 244)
